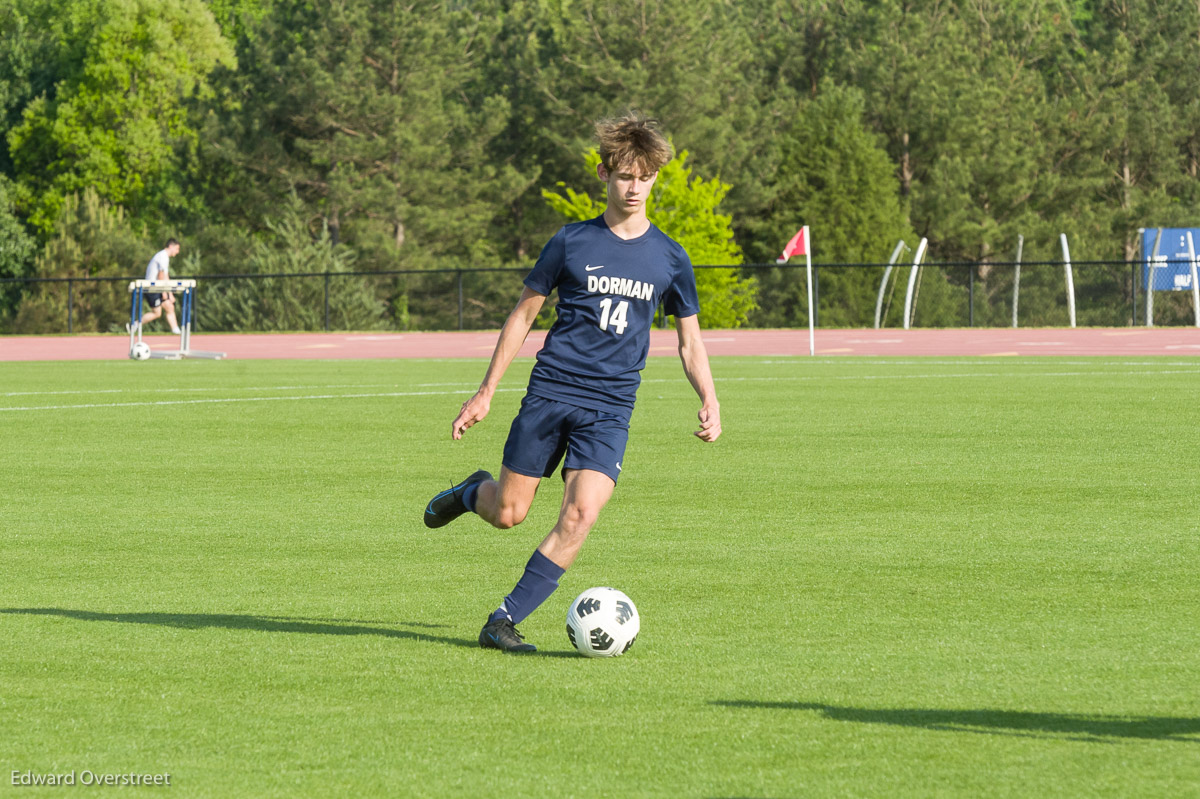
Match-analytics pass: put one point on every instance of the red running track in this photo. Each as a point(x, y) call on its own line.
point(1131, 341)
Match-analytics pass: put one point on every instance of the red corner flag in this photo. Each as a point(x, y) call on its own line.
point(797, 246)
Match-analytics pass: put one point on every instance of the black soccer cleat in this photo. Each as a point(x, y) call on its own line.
point(448, 505)
point(502, 634)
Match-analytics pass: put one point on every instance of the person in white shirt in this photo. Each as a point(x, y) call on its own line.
point(159, 269)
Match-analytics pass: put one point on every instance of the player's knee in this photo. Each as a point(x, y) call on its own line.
point(509, 515)
point(579, 517)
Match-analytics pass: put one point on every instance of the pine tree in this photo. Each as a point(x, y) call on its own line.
point(835, 177)
point(92, 238)
point(358, 108)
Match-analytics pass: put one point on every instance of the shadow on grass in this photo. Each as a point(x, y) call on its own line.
point(273, 624)
point(1092, 728)
point(270, 624)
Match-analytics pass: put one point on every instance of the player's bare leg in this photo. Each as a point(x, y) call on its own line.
point(585, 495)
point(171, 320)
point(505, 503)
point(151, 315)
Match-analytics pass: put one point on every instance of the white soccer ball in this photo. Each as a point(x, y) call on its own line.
point(140, 351)
point(603, 623)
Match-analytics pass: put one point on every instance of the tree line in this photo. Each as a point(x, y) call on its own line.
point(370, 135)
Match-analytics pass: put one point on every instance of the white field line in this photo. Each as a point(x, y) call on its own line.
point(212, 388)
point(1097, 373)
point(971, 360)
point(227, 400)
point(467, 388)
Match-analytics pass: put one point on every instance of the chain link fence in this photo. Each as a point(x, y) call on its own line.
point(1106, 294)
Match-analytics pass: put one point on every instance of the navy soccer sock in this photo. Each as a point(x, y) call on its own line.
point(469, 494)
point(535, 586)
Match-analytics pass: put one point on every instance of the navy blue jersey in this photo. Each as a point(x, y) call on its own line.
point(608, 290)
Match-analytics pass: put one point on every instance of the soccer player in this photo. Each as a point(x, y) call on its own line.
point(159, 269)
point(611, 273)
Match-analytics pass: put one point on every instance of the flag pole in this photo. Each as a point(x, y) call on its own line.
point(812, 337)
point(800, 243)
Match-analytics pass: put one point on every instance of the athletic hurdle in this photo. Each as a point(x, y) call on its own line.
point(137, 290)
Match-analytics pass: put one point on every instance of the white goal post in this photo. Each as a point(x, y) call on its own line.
point(912, 282)
point(1070, 277)
point(883, 283)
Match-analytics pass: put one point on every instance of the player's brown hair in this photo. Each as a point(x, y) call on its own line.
point(632, 140)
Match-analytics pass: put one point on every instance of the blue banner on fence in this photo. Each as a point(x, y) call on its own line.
point(1172, 270)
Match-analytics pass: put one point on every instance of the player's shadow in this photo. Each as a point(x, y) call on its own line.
point(271, 624)
point(1078, 727)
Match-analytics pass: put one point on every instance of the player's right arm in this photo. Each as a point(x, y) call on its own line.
point(512, 336)
point(162, 275)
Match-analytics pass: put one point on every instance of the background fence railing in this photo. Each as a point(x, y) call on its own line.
point(962, 294)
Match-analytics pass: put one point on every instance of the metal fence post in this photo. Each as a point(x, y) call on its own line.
point(1017, 278)
point(971, 298)
point(70, 305)
point(326, 302)
point(1133, 269)
point(459, 273)
point(816, 296)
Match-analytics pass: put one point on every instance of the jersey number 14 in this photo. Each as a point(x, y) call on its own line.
point(616, 319)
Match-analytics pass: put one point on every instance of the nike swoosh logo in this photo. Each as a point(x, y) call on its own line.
point(590, 268)
point(429, 507)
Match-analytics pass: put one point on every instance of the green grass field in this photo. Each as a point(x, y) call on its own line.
point(894, 577)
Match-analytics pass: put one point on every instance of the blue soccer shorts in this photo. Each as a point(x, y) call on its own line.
point(545, 431)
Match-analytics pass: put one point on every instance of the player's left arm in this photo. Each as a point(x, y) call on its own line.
point(695, 365)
